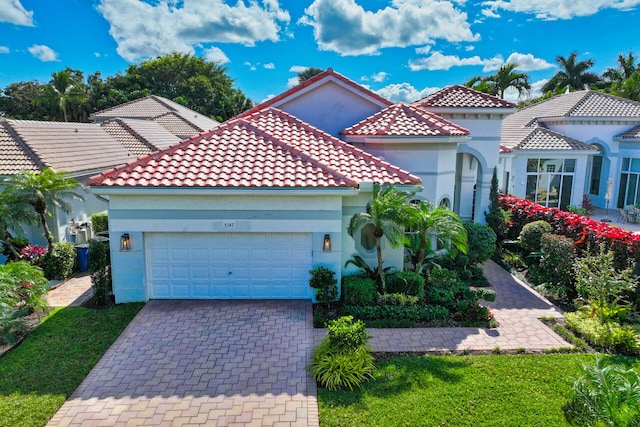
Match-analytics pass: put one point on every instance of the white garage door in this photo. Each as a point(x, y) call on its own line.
point(228, 265)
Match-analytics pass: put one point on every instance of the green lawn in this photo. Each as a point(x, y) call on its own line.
point(494, 390)
point(38, 376)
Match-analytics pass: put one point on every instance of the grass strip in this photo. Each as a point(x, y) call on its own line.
point(491, 390)
point(42, 372)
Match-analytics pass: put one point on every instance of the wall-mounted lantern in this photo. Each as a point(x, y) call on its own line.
point(326, 243)
point(125, 243)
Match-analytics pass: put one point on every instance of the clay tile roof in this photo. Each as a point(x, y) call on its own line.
point(265, 150)
point(546, 139)
point(127, 137)
point(633, 133)
point(457, 96)
point(157, 108)
point(329, 73)
point(69, 147)
point(504, 149)
point(405, 120)
point(15, 156)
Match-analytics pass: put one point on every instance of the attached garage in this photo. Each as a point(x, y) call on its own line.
point(228, 265)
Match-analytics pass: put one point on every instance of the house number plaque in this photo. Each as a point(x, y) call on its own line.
point(228, 225)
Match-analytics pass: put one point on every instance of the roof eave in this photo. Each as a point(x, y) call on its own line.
point(210, 191)
point(385, 139)
point(500, 111)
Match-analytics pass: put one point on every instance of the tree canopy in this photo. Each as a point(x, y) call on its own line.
point(506, 77)
point(189, 80)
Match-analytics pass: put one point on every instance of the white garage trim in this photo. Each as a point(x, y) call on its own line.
point(228, 265)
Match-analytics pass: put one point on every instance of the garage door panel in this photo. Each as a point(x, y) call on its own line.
point(228, 265)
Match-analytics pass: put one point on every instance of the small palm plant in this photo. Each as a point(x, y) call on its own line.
point(390, 212)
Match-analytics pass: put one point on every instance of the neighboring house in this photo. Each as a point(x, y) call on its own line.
point(570, 145)
point(175, 118)
point(242, 211)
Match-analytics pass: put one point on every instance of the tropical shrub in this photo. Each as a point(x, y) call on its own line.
point(23, 286)
point(18, 243)
point(406, 282)
point(343, 358)
point(99, 255)
point(397, 299)
point(11, 325)
point(531, 234)
point(102, 286)
point(605, 335)
point(496, 218)
point(33, 254)
point(358, 290)
point(410, 314)
point(324, 282)
point(447, 290)
point(100, 222)
point(604, 395)
point(484, 294)
point(556, 273)
point(481, 243)
point(58, 263)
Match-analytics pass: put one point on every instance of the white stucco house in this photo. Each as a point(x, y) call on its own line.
point(570, 145)
point(248, 208)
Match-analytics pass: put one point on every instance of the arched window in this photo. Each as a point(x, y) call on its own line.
point(445, 202)
point(367, 239)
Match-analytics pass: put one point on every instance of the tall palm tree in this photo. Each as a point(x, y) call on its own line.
point(478, 83)
point(434, 223)
point(573, 74)
point(627, 65)
point(305, 75)
point(42, 190)
point(14, 213)
point(507, 77)
point(63, 89)
point(389, 212)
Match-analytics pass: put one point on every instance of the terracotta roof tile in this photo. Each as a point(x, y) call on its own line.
point(504, 149)
point(267, 149)
point(327, 74)
point(405, 120)
point(457, 96)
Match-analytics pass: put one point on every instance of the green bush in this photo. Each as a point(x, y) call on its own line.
point(324, 282)
point(604, 395)
point(406, 282)
point(102, 286)
point(481, 241)
point(556, 266)
point(485, 294)
point(606, 335)
point(336, 369)
point(397, 299)
point(413, 313)
point(99, 255)
point(345, 334)
point(358, 290)
point(23, 286)
point(11, 324)
point(444, 288)
point(100, 222)
point(18, 243)
point(532, 233)
point(59, 262)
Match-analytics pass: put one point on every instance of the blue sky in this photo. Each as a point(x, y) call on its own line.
point(402, 49)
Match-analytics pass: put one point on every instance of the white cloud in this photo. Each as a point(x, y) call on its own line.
point(270, 66)
point(293, 81)
point(13, 12)
point(423, 50)
point(144, 30)
point(44, 53)
point(438, 61)
point(298, 68)
point(490, 13)
point(554, 9)
point(469, 48)
point(251, 66)
point(404, 92)
point(528, 62)
point(4, 49)
point(376, 77)
point(215, 54)
point(345, 27)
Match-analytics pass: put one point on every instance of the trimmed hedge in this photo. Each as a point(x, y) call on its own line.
point(416, 313)
point(358, 290)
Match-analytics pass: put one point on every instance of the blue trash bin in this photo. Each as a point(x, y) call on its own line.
point(83, 257)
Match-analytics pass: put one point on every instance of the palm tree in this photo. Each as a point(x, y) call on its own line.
point(14, 213)
point(42, 190)
point(628, 88)
point(63, 88)
point(626, 67)
point(507, 77)
point(305, 75)
point(389, 212)
point(478, 83)
point(439, 224)
point(573, 74)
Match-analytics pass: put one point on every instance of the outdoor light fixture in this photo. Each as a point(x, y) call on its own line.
point(125, 243)
point(326, 244)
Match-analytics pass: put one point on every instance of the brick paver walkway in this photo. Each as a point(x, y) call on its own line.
point(203, 363)
point(73, 292)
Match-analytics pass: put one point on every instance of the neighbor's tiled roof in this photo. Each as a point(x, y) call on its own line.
point(633, 133)
point(405, 120)
point(545, 139)
point(328, 74)
point(156, 107)
point(15, 156)
point(141, 137)
point(177, 125)
point(69, 147)
point(457, 96)
point(267, 149)
point(583, 104)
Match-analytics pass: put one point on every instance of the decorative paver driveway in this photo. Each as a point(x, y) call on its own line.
point(222, 363)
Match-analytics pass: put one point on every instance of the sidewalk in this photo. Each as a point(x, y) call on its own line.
point(72, 292)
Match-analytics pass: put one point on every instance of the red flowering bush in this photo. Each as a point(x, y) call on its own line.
point(33, 254)
point(585, 232)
